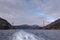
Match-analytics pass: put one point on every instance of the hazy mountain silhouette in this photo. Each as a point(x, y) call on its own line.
point(54, 25)
point(4, 24)
point(27, 27)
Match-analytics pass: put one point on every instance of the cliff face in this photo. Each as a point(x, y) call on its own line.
point(4, 24)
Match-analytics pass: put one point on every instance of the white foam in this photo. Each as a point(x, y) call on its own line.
point(22, 35)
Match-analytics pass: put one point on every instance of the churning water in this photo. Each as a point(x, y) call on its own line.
point(22, 35)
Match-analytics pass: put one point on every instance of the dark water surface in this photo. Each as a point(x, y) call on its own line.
point(45, 34)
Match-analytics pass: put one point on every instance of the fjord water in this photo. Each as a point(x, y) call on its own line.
point(22, 35)
point(35, 34)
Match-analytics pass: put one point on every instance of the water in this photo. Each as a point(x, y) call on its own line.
point(22, 35)
point(29, 34)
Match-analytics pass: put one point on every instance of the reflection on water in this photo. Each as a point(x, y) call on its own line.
point(22, 35)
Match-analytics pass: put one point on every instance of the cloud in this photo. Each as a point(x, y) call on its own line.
point(30, 11)
point(49, 7)
point(8, 9)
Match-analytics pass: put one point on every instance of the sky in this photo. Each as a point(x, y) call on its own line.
point(30, 12)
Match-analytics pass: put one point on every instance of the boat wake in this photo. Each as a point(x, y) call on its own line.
point(22, 35)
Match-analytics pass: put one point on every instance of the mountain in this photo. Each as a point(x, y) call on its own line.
point(37, 27)
point(4, 24)
point(53, 25)
point(27, 27)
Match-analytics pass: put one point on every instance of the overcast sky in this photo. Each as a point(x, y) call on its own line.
point(30, 11)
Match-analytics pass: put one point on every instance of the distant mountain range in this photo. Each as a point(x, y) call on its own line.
point(27, 27)
point(4, 24)
point(53, 25)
